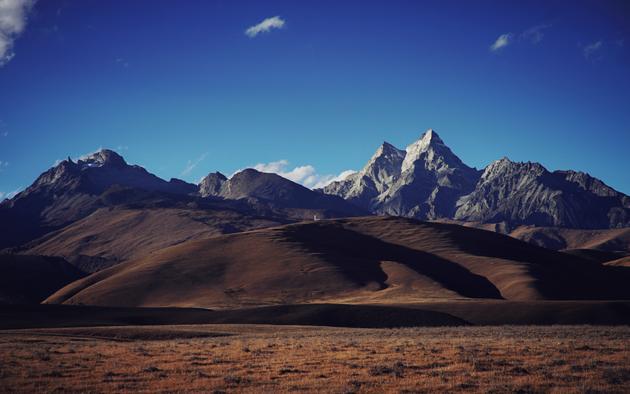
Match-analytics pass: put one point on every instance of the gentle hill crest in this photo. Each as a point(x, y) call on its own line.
point(366, 260)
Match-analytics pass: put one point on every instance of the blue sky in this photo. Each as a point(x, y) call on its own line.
point(182, 89)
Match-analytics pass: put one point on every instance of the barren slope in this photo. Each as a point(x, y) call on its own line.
point(111, 235)
point(611, 240)
point(599, 245)
point(359, 260)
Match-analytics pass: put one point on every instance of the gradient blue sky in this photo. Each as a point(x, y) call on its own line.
point(174, 84)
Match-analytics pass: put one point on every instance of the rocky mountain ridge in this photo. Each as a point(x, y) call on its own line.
point(424, 181)
point(72, 190)
point(428, 181)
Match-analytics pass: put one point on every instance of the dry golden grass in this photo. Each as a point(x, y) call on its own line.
point(563, 359)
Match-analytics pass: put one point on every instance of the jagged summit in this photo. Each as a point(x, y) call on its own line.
point(211, 184)
point(421, 181)
point(94, 173)
point(497, 165)
point(428, 181)
point(430, 145)
point(431, 137)
point(505, 166)
point(212, 175)
point(386, 146)
point(428, 138)
point(386, 150)
point(101, 158)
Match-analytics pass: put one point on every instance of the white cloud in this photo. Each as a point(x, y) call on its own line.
point(192, 164)
point(265, 26)
point(13, 15)
point(3, 165)
point(590, 49)
point(14, 192)
point(274, 166)
point(305, 175)
point(501, 42)
point(534, 34)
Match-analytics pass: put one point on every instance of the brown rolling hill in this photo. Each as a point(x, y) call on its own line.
point(599, 245)
point(610, 240)
point(116, 234)
point(599, 256)
point(622, 262)
point(369, 260)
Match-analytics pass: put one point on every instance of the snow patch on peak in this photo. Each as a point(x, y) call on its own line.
point(101, 158)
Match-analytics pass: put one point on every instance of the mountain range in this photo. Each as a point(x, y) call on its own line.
point(425, 181)
point(428, 181)
point(71, 191)
point(99, 230)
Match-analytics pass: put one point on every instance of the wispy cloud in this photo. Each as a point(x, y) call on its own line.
point(13, 18)
point(265, 26)
point(3, 165)
point(501, 42)
point(192, 164)
point(305, 175)
point(592, 49)
point(122, 62)
point(10, 195)
point(534, 34)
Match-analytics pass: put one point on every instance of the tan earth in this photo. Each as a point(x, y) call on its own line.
point(358, 260)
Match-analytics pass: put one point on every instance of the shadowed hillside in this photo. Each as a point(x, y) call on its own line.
point(361, 260)
point(30, 279)
point(610, 240)
point(112, 235)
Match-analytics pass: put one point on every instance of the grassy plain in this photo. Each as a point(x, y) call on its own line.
point(263, 358)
